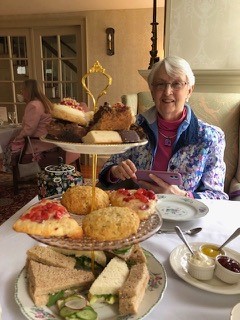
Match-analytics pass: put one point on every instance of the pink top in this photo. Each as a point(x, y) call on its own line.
point(164, 152)
point(34, 124)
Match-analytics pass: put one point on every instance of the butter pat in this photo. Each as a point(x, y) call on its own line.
point(102, 136)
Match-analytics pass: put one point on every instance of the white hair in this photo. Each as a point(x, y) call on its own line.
point(175, 67)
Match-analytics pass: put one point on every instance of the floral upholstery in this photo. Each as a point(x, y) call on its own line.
point(220, 109)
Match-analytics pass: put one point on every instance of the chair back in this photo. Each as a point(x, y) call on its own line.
point(222, 110)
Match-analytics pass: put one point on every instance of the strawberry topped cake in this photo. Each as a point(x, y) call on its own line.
point(71, 110)
point(48, 218)
point(142, 201)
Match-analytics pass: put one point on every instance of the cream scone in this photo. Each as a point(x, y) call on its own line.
point(142, 201)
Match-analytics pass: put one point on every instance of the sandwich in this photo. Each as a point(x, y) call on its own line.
point(86, 259)
point(105, 288)
point(137, 256)
point(132, 292)
point(131, 254)
point(50, 257)
point(44, 280)
point(123, 253)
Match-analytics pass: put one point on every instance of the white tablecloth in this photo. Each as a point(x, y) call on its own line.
point(181, 301)
point(6, 133)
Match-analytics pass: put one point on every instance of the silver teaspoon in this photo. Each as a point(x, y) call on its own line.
point(190, 232)
point(235, 234)
point(181, 236)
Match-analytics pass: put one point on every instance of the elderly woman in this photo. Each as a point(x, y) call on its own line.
point(177, 140)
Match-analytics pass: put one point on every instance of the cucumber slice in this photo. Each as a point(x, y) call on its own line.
point(76, 302)
point(122, 250)
point(87, 314)
point(66, 312)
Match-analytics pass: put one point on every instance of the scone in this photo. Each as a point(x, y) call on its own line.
point(112, 223)
point(78, 199)
point(142, 201)
point(48, 218)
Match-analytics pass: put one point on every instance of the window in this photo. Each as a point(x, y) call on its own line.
point(54, 56)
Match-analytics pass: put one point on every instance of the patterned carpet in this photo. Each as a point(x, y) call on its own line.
point(10, 203)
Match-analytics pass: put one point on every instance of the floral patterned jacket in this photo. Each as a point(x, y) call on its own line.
point(197, 155)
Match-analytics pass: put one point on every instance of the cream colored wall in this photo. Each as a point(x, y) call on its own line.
point(132, 43)
point(132, 46)
point(204, 32)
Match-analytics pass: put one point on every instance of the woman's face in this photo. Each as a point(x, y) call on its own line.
point(169, 100)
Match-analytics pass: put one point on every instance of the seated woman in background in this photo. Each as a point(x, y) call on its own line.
point(34, 124)
point(177, 140)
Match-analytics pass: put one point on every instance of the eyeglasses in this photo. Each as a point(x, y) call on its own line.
point(175, 85)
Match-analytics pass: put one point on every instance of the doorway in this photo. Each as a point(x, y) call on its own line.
point(54, 56)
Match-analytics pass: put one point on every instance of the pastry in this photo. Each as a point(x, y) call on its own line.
point(48, 218)
point(117, 117)
point(128, 136)
point(70, 110)
point(111, 223)
point(78, 199)
point(142, 201)
point(102, 136)
point(62, 130)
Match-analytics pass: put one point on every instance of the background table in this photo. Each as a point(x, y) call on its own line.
point(181, 301)
point(6, 132)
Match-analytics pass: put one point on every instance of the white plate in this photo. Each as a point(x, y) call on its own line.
point(235, 313)
point(178, 262)
point(172, 207)
point(154, 293)
point(95, 148)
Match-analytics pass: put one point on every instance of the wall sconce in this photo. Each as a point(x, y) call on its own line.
point(110, 41)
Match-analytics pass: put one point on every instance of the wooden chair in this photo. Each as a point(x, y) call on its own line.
point(47, 158)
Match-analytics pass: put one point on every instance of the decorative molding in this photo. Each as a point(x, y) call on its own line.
point(217, 80)
point(36, 20)
point(144, 73)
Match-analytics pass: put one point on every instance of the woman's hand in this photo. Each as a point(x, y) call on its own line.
point(124, 170)
point(161, 187)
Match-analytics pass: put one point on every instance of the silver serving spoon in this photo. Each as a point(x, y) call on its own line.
point(181, 236)
point(235, 234)
point(190, 232)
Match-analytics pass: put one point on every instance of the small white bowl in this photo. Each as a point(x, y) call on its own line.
point(201, 267)
point(224, 273)
point(211, 250)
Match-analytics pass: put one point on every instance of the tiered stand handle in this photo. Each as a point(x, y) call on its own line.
point(96, 68)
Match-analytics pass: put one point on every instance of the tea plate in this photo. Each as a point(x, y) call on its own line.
point(176, 208)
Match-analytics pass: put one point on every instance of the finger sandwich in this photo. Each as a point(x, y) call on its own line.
point(105, 288)
point(132, 292)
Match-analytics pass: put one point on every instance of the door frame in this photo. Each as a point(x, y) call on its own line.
point(14, 25)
